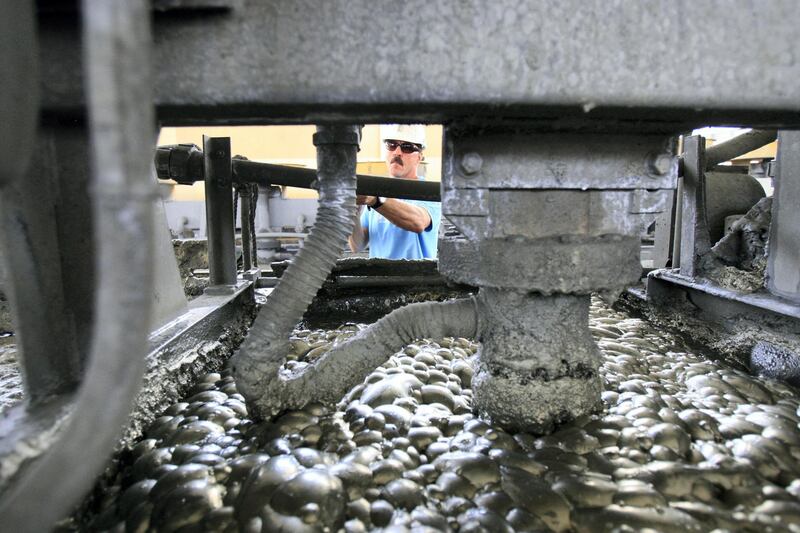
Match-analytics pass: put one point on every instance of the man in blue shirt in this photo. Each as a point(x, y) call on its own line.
point(393, 228)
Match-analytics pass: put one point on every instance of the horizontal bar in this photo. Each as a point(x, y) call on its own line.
point(562, 62)
point(266, 174)
point(738, 146)
point(348, 282)
point(760, 301)
point(733, 148)
point(184, 164)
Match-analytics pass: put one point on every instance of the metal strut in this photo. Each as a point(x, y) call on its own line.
point(117, 54)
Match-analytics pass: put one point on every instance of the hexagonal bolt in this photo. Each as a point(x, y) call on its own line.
point(471, 163)
point(659, 164)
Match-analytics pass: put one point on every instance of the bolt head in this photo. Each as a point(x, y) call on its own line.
point(660, 164)
point(471, 163)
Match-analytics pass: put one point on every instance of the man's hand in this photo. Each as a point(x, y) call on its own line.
point(359, 238)
point(362, 199)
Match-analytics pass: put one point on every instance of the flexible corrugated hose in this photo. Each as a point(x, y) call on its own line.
point(268, 388)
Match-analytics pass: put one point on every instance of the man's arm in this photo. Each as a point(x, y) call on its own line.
point(402, 214)
point(359, 238)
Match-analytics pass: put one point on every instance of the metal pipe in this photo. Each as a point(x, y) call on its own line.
point(117, 56)
point(219, 211)
point(732, 148)
point(183, 163)
point(739, 145)
point(266, 174)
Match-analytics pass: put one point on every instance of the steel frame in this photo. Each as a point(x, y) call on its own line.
point(554, 65)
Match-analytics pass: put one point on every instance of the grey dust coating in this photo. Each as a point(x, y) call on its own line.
point(659, 62)
point(679, 443)
point(783, 263)
point(121, 137)
point(541, 222)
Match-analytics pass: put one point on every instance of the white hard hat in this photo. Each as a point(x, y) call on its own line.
point(413, 133)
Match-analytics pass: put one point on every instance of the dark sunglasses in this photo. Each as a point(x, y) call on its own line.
point(406, 148)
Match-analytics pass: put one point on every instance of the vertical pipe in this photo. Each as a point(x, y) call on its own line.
point(219, 211)
point(247, 233)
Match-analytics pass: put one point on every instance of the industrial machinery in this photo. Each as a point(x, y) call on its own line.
point(561, 123)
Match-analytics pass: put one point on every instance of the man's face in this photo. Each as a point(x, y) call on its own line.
point(401, 164)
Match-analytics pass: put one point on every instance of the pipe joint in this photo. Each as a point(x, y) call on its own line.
point(337, 135)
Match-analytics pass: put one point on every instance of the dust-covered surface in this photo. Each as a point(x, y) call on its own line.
point(745, 281)
point(738, 261)
point(10, 378)
point(334, 307)
point(681, 443)
point(732, 339)
point(191, 254)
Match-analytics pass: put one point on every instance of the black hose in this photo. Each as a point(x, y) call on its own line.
point(266, 174)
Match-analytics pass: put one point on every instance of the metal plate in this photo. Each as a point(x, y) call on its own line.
point(478, 159)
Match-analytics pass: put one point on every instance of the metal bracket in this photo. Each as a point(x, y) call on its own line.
point(478, 160)
point(695, 241)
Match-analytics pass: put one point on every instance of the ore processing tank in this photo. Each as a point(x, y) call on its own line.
point(522, 400)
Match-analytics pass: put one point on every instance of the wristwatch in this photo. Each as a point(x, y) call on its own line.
point(379, 200)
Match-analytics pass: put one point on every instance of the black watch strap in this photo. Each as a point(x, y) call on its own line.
point(378, 202)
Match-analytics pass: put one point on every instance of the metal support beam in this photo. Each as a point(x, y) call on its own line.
point(557, 64)
point(19, 88)
point(663, 235)
point(247, 229)
point(694, 228)
point(48, 234)
point(117, 44)
point(219, 211)
point(783, 260)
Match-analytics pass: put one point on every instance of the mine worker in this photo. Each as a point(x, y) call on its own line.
point(393, 228)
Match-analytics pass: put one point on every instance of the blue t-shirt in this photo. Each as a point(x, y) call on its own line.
point(391, 242)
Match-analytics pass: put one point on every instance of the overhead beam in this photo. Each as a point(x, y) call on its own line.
point(566, 63)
